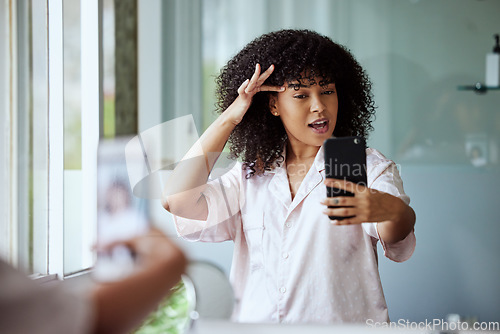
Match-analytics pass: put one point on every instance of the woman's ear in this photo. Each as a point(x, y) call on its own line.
point(273, 99)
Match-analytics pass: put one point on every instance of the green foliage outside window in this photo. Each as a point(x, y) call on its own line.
point(109, 117)
point(171, 316)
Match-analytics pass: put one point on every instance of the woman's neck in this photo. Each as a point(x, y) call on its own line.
point(300, 153)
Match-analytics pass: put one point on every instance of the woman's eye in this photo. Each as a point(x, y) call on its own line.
point(299, 96)
point(329, 92)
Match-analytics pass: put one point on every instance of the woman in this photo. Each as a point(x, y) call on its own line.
point(291, 263)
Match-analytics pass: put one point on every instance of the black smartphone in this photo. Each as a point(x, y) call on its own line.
point(345, 159)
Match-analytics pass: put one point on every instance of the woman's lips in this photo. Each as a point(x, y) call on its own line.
point(319, 126)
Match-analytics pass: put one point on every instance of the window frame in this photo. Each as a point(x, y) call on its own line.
point(32, 235)
point(8, 148)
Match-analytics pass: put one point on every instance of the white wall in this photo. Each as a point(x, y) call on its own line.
point(432, 47)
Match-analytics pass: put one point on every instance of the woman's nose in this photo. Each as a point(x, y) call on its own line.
point(317, 104)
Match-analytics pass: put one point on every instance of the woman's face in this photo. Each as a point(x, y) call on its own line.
point(308, 112)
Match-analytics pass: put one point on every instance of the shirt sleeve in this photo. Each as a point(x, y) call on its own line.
point(222, 195)
point(27, 307)
point(383, 175)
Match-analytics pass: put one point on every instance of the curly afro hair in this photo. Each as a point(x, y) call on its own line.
point(298, 55)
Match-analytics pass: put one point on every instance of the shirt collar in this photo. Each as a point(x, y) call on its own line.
point(319, 160)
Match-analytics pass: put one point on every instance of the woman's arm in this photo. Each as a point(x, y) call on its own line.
point(182, 193)
point(401, 223)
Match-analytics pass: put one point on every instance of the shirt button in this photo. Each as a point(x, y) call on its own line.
point(283, 289)
point(288, 225)
point(285, 255)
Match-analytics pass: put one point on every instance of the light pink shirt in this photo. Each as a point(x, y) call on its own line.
point(290, 265)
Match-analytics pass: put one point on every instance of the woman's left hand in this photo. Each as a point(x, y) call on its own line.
point(367, 205)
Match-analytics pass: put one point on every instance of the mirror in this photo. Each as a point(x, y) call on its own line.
point(417, 53)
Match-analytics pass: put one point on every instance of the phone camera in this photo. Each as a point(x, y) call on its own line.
point(356, 141)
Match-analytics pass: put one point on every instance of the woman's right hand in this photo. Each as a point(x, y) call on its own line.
point(247, 90)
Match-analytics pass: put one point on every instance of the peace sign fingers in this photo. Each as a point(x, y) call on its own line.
point(255, 83)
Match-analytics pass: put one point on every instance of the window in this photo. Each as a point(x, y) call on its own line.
point(8, 231)
point(50, 71)
point(82, 105)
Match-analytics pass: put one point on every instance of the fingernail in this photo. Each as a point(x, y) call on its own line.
point(334, 222)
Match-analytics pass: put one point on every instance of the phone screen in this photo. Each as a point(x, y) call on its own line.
point(120, 214)
point(345, 159)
